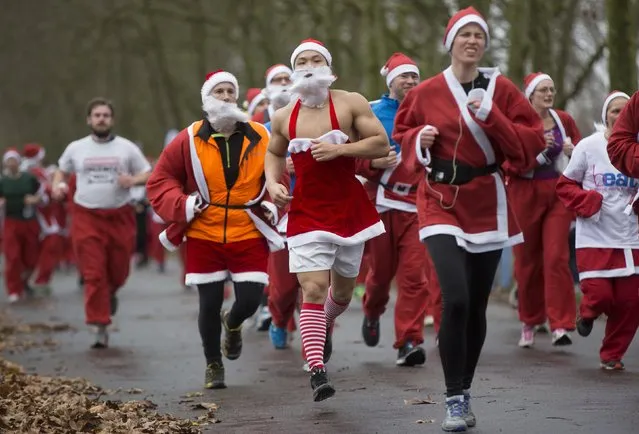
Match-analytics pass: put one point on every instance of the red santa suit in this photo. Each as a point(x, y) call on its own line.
point(607, 242)
point(484, 140)
point(103, 221)
point(623, 144)
point(544, 282)
point(398, 253)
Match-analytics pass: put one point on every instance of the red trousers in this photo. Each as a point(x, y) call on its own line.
point(21, 243)
point(283, 289)
point(156, 249)
point(544, 283)
point(103, 241)
point(434, 304)
point(51, 254)
point(618, 298)
point(398, 253)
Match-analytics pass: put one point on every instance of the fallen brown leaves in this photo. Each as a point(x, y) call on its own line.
point(56, 405)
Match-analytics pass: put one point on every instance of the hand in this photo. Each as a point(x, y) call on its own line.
point(31, 199)
point(427, 137)
point(385, 162)
point(279, 194)
point(550, 140)
point(568, 147)
point(59, 191)
point(289, 166)
point(323, 151)
point(126, 181)
point(199, 205)
point(474, 106)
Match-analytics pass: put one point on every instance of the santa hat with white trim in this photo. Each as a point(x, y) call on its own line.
point(466, 16)
point(216, 77)
point(276, 70)
point(34, 152)
point(313, 45)
point(11, 153)
point(531, 81)
point(396, 65)
point(254, 96)
point(612, 96)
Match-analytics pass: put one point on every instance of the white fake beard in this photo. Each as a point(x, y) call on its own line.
point(311, 85)
point(279, 96)
point(223, 115)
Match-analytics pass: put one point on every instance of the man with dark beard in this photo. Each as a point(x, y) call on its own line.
point(208, 185)
point(103, 226)
point(325, 131)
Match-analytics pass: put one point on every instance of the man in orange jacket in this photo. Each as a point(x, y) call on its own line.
point(208, 185)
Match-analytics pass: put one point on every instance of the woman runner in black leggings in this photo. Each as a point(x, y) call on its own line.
point(463, 126)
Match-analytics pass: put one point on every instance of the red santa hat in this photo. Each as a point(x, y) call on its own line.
point(216, 77)
point(11, 153)
point(463, 17)
point(314, 45)
point(254, 96)
point(612, 96)
point(33, 151)
point(275, 70)
point(396, 65)
point(531, 81)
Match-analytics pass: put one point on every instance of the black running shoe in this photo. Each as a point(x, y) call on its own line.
point(410, 355)
point(370, 331)
point(584, 326)
point(232, 347)
point(214, 376)
point(322, 388)
point(328, 345)
point(114, 304)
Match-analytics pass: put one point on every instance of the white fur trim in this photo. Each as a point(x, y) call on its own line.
point(40, 155)
point(328, 237)
point(314, 47)
point(423, 155)
point(468, 19)
point(191, 201)
point(270, 206)
point(607, 102)
point(534, 83)
point(250, 276)
point(255, 102)
point(401, 69)
point(202, 278)
point(164, 240)
point(279, 69)
point(11, 154)
point(484, 108)
point(215, 79)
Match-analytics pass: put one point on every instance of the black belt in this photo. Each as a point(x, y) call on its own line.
point(443, 172)
point(391, 187)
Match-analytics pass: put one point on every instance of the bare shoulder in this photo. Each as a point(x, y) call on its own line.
point(280, 117)
point(356, 101)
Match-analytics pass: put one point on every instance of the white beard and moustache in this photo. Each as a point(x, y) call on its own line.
point(279, 96)
point(223, 115)
point(311, 85)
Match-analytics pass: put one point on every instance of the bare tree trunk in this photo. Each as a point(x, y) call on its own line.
point(518, 37)
point(622, 45)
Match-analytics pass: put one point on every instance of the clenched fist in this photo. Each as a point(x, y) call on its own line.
point(385, 162)
point(427, 137)
point(279, 194)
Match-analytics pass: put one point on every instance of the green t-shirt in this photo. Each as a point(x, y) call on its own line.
point(14, 190)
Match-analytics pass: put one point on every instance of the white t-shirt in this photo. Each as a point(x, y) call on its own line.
point(97, 166)
point(610, 227)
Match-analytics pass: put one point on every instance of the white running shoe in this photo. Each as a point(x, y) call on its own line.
point(527, 338)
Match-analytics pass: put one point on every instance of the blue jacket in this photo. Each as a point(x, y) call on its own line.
point(385, 109)
point(288, 154)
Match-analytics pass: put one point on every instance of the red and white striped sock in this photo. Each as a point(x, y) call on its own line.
point(313, 332)
point(333, 308)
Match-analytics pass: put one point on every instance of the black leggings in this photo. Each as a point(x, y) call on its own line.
point(466, 280)
point(247, 300)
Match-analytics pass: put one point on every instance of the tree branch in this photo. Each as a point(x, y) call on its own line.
point(583, 75)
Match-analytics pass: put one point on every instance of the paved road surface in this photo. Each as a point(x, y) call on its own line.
point(157, 348)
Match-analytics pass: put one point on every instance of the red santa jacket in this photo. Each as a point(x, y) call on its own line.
point(568, 128)
point(504, 128)
point(623, 144)
point(177, 183)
